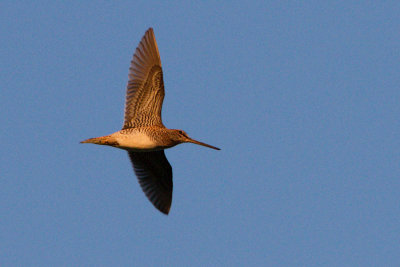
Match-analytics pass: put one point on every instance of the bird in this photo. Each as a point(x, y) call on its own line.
point(143, 135)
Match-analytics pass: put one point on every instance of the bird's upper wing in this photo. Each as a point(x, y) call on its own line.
point(145, 89)
point(155, 177)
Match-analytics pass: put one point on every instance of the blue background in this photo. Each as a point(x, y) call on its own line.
point(302, 97)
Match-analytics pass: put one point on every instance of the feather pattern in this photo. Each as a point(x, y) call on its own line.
point(145, 89)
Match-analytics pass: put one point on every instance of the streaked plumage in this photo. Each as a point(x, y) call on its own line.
point(143, 134)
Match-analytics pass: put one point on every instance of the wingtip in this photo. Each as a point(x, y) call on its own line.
point(164, 210)
point(150, 30)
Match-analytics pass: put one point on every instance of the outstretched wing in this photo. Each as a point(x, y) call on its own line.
point(145, 90)
point(155, 177)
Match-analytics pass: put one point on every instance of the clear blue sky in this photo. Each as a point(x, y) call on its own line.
point(302, 97)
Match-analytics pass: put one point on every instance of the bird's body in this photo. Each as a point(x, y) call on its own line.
point(140, 139)
point(143, 134)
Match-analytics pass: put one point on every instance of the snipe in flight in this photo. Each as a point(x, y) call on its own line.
point(143, 134)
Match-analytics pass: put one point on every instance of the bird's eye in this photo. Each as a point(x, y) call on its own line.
point(181, 132)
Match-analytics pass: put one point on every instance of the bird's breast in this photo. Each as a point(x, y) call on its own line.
point(136, 141)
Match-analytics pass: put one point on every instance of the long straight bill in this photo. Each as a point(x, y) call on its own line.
point(190, 140)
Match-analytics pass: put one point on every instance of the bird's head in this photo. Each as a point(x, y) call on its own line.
point(181, 136)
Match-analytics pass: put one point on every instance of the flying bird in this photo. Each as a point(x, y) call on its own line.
point(143, 135)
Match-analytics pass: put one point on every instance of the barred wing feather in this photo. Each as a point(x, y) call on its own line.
point(145, 89)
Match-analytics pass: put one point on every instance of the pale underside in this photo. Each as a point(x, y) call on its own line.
point(135, 140)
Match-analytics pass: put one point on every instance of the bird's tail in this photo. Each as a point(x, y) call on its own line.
point(107, 140)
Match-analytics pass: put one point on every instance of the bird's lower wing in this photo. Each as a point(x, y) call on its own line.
point(155, 177)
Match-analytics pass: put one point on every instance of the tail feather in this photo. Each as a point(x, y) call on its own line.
point(102, 140)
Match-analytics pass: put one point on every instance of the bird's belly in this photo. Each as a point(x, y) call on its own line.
point(136, 141)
